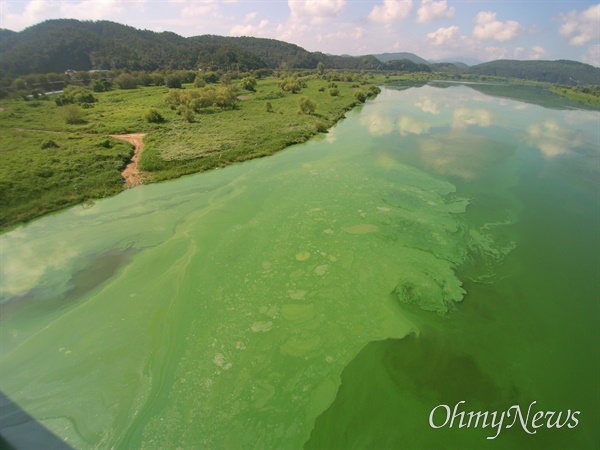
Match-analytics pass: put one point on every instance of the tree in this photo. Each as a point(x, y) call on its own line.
point(320, 68)
point(101, 85)
point(306, 105)
point(144, 79)
point(173, 81)
point(249, 84)
point(361, 96)
point(126, 81)
point(199, 82)
point(290, 85)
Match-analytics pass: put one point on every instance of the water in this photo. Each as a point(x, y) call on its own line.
point(438, 245)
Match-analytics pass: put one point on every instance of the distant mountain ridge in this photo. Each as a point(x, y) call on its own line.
point(385, 57)
point(61, 44)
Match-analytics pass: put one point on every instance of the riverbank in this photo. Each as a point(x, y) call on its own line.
point(51, 161)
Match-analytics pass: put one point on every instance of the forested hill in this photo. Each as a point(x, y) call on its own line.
point(559, 72)
point(62, 44)
point(58, 45)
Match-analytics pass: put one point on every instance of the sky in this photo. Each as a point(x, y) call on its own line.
point(433, 29)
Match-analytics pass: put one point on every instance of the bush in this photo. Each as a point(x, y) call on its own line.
point(199, 82)
point(249, 84)
point(75, 94)
point(48, 144)
point(126, 81)
point(101, 85)
point(105, 144)
point(268, 107)
point(334, 92)
point(157, 79)
point(173, 81)
point(144, 79)
point(361, 96)
point(73, 115)
point(153, 116)
point(321, 126)
point(306, 105)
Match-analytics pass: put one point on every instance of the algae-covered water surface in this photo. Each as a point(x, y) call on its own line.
point(437, 247)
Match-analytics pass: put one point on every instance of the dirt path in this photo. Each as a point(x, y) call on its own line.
point(132, 174)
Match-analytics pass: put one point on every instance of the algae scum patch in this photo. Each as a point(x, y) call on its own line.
point(243, 295)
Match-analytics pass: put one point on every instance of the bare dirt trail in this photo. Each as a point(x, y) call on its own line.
point(132, 174)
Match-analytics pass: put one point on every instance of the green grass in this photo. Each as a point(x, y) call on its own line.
point(36, 180)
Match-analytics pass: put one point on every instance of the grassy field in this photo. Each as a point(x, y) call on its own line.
point(48, 164)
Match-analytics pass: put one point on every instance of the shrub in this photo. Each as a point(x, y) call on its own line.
point(211, 77)
point(249, 84)
point(126, 81)
point(144, 79)
point(268, 107)
point(187, 114)
point(153, 116)
point(290, 85)
point(173, 81)
point(101, 85)
point(334, 92)
point(74, 94)
point(321, 126)
point(73, 115)
point(361, 96)
point(105, 144)
point(199, 82)
point(306, 105)
point(158, 79)
point(48, 144)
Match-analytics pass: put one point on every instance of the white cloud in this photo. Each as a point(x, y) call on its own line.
point(377, 124)
point(250, 30)
point(413, 125)
point(592, 56)
point(443, 35)
point(431, 10)
point(92, 9)
point(581, 27)
point(391, 11)
point(428, 105)
point(250, 16)
point(291, 32)
point(344, 33)
point(39, 10)
point(537, 52)
point(317, 11)
point(464, 117)
point(487, 27)
point(551, 138)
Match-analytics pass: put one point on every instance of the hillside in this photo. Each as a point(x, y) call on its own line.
point(385, 57)
point(58, 45)
point(61, 44)
point(561, 71)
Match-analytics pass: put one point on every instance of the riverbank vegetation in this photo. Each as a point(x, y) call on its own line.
point(57, 150)
point(584, 94)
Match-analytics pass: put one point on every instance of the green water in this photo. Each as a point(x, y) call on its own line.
point(438, 245)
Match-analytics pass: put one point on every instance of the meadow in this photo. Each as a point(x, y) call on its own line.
point(51, 160)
